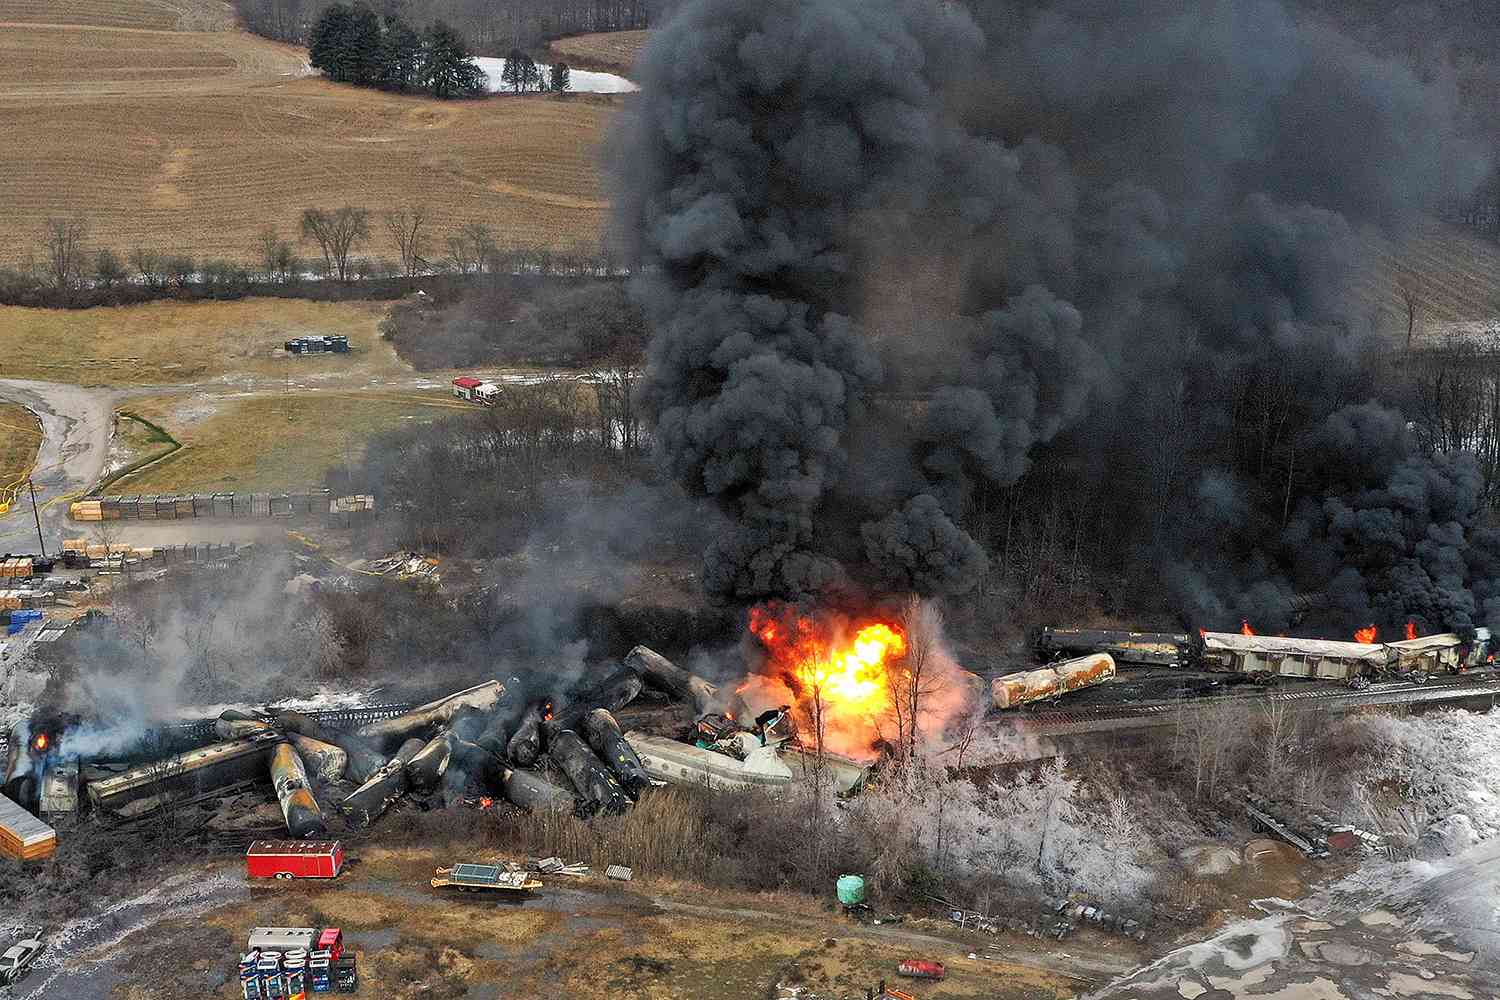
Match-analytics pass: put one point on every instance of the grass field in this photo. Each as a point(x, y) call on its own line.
point(20, 437)
point(270, 442)
point(161, 342)
point(611, 51)
point(192, 142)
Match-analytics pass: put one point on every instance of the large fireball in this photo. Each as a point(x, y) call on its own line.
point(835, 667)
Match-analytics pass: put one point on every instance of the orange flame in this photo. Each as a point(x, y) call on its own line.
point(845, 678)
point(485, 803)
point(1245, 628)
point(1366, 634)
point(41, 742)
point(1411, 629)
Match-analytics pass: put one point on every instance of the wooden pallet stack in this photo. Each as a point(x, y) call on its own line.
point(23, 836)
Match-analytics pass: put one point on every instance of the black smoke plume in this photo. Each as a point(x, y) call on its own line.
point(896, 250)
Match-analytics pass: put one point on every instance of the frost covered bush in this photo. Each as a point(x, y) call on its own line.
point(1431, 777)
point(1032, 827)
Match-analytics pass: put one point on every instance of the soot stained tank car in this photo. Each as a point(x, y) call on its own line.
point(1157, 649)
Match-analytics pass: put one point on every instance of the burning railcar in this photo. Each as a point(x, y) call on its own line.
point(1353, 663)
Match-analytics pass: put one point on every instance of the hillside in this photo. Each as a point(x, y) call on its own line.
point(192, 141)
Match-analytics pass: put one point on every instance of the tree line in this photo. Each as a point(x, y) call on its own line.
point(354, 44)
point(492, 26)
point(328, 256)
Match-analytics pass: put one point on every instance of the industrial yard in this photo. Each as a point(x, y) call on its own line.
point(893, 501)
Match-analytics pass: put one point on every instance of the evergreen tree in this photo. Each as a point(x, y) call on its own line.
point(364, 46)
point(558, 82)
point(400, 56)
point(329, 42)
point(447, 71)
point(520, 72)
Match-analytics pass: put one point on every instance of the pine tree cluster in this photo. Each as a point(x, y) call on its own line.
point(353, 44)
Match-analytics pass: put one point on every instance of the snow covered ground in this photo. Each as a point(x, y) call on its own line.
point(581, 81)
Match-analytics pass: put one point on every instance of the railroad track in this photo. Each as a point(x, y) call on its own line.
point(1147, 715)
point(202, 730)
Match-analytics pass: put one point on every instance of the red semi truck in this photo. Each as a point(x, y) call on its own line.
point(288, 859)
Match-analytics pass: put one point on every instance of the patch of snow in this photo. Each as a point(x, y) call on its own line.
point(580, 81)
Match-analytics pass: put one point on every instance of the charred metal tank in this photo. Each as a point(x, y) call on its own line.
point(704, 696)
point(484, 697)
point(233, 724)
point(534, 793)
point(426, 769)
point(609, 743)
point(613, 693)
point(525, 747)
point(364, 760)
point(1050, 682)
point(598, 791)
point(1162, 649)
point(367, 802)
point(325, 762)
point(303, 816)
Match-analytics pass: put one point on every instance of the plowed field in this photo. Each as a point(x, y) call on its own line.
point(192, 141)
point(612, 51)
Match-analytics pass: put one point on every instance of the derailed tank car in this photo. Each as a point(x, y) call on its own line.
point(1163, 649)
point(1051, 682)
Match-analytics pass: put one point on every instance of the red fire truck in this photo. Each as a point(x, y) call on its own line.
point(287, 859)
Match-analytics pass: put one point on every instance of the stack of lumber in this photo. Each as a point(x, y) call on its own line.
point(19, 568)
point(23, 836)
point(351, 504)
point(86, 510)
point(21, 600)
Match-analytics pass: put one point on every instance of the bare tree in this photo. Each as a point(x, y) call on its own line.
point(1410, 302)
point(1276, 738)
point(336, 234)
point(406, 229)
point(147, 264)
point(277, 259)
point(64, 239)
point(914, 678)
point(473, 250)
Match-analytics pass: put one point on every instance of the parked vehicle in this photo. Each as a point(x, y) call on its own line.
point(289, 859)
point(16, 963)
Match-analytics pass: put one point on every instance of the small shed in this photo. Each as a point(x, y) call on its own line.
point(464, 386)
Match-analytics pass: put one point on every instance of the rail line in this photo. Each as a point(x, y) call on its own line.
point(1148, 715)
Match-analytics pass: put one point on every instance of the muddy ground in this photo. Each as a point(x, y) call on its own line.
point(576, 938)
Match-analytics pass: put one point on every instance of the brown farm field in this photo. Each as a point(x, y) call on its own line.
point(609, 51)
point(193, 141)
point(165, 342)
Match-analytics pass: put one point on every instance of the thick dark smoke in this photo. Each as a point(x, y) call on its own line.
point(896, 249)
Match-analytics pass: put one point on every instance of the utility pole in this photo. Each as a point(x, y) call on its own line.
point(37, 517)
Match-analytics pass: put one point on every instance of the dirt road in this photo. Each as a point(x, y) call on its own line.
point(75, 443)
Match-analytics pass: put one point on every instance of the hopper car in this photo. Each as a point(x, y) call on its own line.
point(1259, 657)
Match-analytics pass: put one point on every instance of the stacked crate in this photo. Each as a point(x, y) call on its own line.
point(23, 836)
